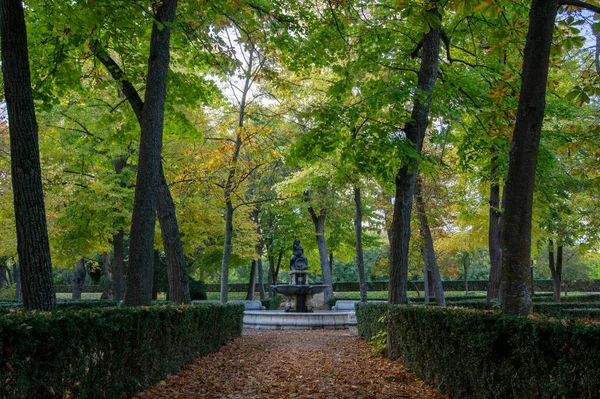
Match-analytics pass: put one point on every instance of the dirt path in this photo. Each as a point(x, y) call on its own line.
point(293, 364)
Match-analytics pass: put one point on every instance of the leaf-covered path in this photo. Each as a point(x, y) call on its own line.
point(293, 364)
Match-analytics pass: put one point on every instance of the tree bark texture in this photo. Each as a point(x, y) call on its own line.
point(227, 247)
point(165, 206)
point(107, 292)
point(518, 192)
point(4, 276)
point(555, 268)
point(17, 277)
point(79, 279)
point(360, 259)
point(319, 223)
point(141, 247)
point(118, 266)
point(426, 291)
point(30, 214)
point(429, 250)
point(270, 274)
point(179, 289)
point(251, 282)
point(406, 176)
point(494, 233)
point(259, 252)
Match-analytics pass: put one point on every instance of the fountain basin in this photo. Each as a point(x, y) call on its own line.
point(298, 297)
point(281, 320)
point(293, 289)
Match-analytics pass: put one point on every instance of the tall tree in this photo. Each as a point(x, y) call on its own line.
point(30, 213)
point(518, 193)
point(406, 177)
point(432, 273)
point(141, 255)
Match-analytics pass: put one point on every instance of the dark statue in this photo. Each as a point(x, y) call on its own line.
point(298, 261)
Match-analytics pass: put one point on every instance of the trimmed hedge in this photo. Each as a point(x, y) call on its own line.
point(65, 289)
point(107, 353)
point(475, 354)
point(454, 285)
point(368, 316)
point(272, 303)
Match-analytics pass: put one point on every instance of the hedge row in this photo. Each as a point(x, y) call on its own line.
point(368, 316)
point(475, 354)
point(454, 285)
point(64, 289)
point(272, 303)
point(106, 353)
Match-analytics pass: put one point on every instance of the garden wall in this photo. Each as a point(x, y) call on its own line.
point(106, 353)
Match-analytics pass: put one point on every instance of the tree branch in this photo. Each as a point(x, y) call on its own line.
point(581, 4)
point(137, 104)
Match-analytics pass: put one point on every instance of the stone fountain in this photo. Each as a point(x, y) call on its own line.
point(298, 293)
point(298, 314)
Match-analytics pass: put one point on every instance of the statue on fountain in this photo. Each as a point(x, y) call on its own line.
point(298, 261)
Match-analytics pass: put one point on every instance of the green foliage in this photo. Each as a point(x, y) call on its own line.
point(197, 290)
point(107, 353)
point(272, 303)
point(474, 354)
point(369, 316)
point(379, 340)
point(9, 292)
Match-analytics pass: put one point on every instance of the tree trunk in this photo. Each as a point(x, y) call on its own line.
point(30, 214)
point(494, 234)
point(271, 274)
point(3, 276)
point(118, 266)
point(331, 265)
point(140, 273)
point(107, 292)
point(251, 282)
point(79, 279)
point(11, 279)
point(226, 250)
point(156, 275)
point(518, 192)
point(360, 260)
point(259, 251)
point(406, 177)
point(230, 184)
point(319, 223)
point(261, 279)
point(278, 267)
point(559, 269)
point(179, 289)
point(466, 273)
point(17, 277)
point(555, 268)
point(425, 278)
point(429, 251)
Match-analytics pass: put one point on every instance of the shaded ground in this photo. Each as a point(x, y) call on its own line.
point(293, 364)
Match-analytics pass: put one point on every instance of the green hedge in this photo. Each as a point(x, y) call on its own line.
point(65, 289)
point(109, 352)
point(475, 354)
point(367, 318)
point(272, 303)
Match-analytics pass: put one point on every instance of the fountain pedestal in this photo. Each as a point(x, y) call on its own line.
point(298, 290)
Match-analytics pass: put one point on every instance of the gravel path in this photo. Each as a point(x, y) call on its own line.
point(293, 364)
